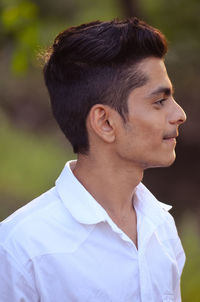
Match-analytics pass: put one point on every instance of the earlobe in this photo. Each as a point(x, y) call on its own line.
point(100, 121)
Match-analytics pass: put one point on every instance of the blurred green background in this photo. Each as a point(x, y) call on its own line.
point(33, 150)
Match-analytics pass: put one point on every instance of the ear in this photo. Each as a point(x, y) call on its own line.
point(101, 121)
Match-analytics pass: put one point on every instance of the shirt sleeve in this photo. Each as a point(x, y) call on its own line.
point(15, 285)
point(176, 244)
point(180, 256)
point(180, 260)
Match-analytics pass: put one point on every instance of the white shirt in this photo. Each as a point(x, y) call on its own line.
point(63, 247)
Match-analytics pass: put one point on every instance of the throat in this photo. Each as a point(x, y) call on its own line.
point(128, 224)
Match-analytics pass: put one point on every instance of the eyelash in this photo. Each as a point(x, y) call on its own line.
point(160, 102)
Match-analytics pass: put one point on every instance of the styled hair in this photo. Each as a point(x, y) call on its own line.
point(97, 63)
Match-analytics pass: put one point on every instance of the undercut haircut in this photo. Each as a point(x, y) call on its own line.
point(97, 63)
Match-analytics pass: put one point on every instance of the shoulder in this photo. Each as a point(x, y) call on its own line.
point(43, 226)
point(24, 217)
point(37, 228)
point(24, 220)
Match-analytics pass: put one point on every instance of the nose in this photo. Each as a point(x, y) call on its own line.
point(178, 116)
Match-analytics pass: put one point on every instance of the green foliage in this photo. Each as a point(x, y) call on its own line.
point(191, 274)
point(28, 27)
point(18, 14)
point(96, 10)
point(179, 20)
point(29, 166)
point(19, 19)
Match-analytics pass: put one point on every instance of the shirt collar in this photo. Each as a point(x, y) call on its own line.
point(85, 209)
point(80, 203)
point(150, 207)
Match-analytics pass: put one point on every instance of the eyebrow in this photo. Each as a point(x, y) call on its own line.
point(164, 90)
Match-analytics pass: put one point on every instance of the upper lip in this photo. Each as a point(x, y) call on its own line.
point(168, 137)
point(172, 135)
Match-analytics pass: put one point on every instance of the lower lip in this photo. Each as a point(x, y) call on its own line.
point(170, 140)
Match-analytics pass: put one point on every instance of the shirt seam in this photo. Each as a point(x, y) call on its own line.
point(15, 228)
point(64, 252)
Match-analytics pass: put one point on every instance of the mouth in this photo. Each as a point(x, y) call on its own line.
point(171, 138)
point(172, 135)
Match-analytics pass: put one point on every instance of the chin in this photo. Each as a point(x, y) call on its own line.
point(161, 163)
point(171, 160)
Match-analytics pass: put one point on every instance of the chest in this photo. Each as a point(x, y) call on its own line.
point(107, 267)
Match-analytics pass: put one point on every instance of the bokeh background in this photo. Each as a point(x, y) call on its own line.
point(32, 148)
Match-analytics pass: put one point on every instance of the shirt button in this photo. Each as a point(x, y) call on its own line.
point(168, 298)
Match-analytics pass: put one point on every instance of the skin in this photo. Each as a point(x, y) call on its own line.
point(120, 152)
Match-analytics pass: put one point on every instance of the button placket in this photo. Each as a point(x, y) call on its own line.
point(145, 281)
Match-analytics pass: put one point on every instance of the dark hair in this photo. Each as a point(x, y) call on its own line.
point(97, 63)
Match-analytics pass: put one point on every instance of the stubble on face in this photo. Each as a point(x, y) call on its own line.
point(148, 136)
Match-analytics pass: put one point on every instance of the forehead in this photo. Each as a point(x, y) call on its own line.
point(155, 71)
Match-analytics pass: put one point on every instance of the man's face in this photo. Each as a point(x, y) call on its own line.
point(148, 137)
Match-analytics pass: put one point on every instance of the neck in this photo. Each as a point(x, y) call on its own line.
point(111, 183)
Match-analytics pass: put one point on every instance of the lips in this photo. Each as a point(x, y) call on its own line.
point(170, 136)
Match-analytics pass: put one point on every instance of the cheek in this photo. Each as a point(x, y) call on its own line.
point(148, 132)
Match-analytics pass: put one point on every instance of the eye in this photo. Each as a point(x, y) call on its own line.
point(160, 102)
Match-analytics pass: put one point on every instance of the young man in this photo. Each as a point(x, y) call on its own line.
point(99, 234)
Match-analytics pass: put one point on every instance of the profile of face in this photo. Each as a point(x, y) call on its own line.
point(148, 138)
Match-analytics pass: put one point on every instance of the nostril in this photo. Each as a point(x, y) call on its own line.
point(178, 117)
